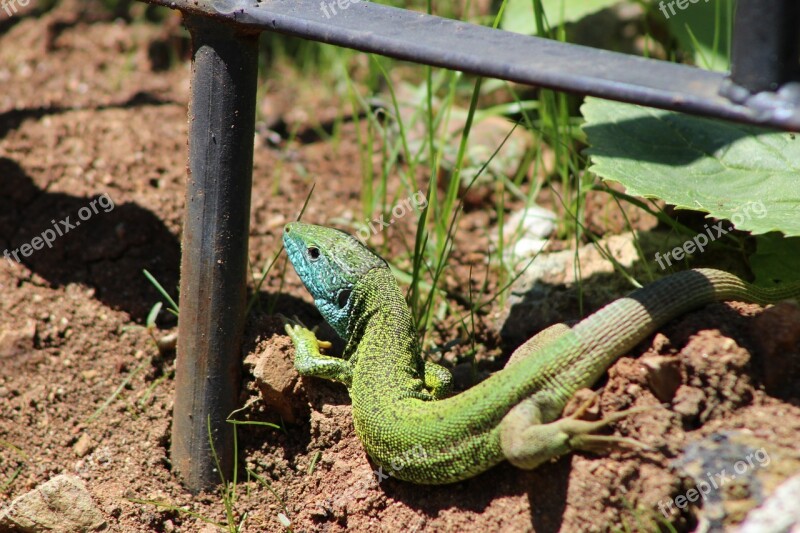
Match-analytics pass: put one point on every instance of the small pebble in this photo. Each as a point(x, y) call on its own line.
point(83, 446)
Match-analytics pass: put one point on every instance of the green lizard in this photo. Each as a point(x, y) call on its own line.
point(400, 411)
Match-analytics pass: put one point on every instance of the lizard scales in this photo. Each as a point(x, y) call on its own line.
point(400, 413)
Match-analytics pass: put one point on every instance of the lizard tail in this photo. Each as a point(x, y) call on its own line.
point(621, 325)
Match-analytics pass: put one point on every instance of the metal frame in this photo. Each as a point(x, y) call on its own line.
point(763, 57)
point(214, 249)
point(762, 89)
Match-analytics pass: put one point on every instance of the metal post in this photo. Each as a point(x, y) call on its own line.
point(214, 258)
point(764, 52)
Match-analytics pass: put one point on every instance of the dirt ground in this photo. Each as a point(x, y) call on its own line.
point(89, 113)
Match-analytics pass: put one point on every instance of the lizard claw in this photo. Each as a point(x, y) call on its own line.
point(301, 335)
point(583, 438)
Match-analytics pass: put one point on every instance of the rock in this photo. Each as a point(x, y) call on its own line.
point(663, 375)
point(17, 341)
point(60, 504)
point(488, 134)
point(593, 261)
point(167, 343)
point(738, 478)
point(276, 377)
point(83, 446)
point(526, 231)
point(89, 375)
point(778, 513)
point(689, 402)
point(546, 291)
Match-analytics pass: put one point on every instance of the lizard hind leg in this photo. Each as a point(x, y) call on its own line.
point(528, 443)
point(438, 380)
point(533, 345)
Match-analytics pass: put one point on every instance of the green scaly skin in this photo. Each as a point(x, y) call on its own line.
point(399, 409)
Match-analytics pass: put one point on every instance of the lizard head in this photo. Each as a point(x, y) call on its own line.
point(329, 263)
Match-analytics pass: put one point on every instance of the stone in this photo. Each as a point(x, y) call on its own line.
point(17, 341)
point(778, 513)
point(83, 446)
point(275, 377)
point(526, 231)
point(60, 504)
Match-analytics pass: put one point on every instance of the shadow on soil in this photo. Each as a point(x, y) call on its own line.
point(89, 241)
point(546, 488)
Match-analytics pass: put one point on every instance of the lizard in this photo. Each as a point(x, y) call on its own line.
point(402, 411)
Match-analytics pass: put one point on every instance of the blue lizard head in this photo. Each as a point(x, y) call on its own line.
point(329, 263)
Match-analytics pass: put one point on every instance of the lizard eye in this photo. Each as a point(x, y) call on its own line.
point(343, 297)
point(313, 253)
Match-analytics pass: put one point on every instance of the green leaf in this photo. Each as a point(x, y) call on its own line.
point(152, 315)
point(518, 16)
point(744, 174)
point(173, 307)
point(777, 259)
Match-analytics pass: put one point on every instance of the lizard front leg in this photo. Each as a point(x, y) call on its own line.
point(309, 361)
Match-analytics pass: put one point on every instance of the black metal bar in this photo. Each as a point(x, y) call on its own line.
point(214, 260)
point(764, 51)
point(499, 54)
